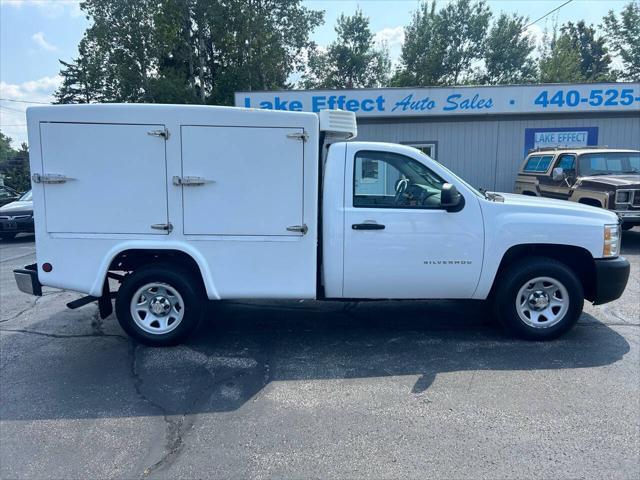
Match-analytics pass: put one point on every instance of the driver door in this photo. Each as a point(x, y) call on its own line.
point(398, 242)
point(560, 189)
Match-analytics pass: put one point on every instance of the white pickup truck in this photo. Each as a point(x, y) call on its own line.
point(181, 204)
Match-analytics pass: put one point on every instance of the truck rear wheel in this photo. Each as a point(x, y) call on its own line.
point(538, 298)
point(160, 305)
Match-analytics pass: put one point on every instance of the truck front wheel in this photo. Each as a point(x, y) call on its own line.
point(538, 298)
point(159, 305)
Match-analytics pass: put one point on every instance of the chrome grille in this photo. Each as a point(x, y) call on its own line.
point(631, 198)
point(14, 217)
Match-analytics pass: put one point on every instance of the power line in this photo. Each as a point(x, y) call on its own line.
point(11, 109)
point(23, 101)
point(547, 14)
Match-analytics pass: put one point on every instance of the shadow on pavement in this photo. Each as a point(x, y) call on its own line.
point(631, 242)
point(19, 239)
point(246, 345)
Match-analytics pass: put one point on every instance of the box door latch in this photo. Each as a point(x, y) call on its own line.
point(304, 136)
point(162, 133)
point(167, 227)
point(303, 229)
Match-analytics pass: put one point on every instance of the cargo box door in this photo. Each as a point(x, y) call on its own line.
point(242, 180)
point(104, 178)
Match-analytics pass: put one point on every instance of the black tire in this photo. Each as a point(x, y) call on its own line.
point(512, 279)
point(7, 236)
point(627, 226)
point(189, 288)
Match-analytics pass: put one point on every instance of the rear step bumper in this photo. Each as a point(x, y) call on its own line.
point(27, 280)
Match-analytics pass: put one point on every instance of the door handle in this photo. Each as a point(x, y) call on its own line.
point(367, 226)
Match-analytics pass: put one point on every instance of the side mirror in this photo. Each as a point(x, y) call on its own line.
point(558, 174)
point(450, 198)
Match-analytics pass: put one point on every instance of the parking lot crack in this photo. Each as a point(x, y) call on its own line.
point(176, 425)
point(59, 335)
point(33, 304)
point(21, 312)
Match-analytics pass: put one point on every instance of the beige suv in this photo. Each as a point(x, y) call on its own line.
point(602, 177)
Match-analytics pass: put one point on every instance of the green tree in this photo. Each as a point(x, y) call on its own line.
point(441, 46)
point(6, 151)
point(466, 25)
point(351, 61)
point(559, 59)
point(507, 55)
point(594, 56)
point(186, 51)
point(624, 38)
point(423, 51)
point(82, 78)
point(14, 164)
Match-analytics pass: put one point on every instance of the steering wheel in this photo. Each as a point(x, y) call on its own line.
point(401, 187)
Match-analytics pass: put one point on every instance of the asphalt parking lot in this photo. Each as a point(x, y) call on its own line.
point(317, 390)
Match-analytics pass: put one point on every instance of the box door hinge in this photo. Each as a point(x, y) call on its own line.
point(163, 133)
point(49, 178)
point(190, 181)
point(304, 136)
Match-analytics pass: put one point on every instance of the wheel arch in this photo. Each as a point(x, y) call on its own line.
point(590, 201)
point(578, 259)
point(131, 255)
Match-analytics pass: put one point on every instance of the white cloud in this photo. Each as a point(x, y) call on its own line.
point(12, 114)
point(392, 36)
point(535, 32)
point(42, 42)
point(49, 8)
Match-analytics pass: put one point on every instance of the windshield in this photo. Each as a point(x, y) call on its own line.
point(609, 163)
point(26, 197)
point(473, 189)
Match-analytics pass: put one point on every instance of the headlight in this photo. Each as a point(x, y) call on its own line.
point(623, 197)
point(611, 241)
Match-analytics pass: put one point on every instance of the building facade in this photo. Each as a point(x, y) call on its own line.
point(481, 133)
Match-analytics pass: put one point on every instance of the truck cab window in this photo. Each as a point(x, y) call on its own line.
point(399, 182)
point(567, 163)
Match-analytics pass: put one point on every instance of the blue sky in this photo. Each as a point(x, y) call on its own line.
point(34, 34)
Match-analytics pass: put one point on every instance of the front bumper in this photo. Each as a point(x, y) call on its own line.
point(19, 225)
point(611, 279)
point(27, 280)
point(629, 216)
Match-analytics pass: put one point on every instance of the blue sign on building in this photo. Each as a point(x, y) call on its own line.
point(559, 137)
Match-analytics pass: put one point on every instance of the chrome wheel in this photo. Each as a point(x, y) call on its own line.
point(157, 308)
point(542, 302)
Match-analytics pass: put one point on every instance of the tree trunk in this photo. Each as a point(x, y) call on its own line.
point(201, 51)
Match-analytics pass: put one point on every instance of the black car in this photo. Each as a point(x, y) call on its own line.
point(17, 217)
point(8, 195)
